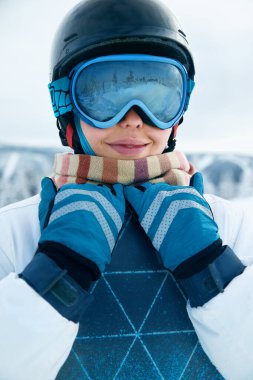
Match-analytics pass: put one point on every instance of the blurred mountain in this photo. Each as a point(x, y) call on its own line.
point(226, 175)
point(21, 170)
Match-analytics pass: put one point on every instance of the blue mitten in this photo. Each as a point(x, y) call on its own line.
point(79, 227)
point(85, 221)
point(179, 222)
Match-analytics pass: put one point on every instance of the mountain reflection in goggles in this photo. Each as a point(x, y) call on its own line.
point(103, 89)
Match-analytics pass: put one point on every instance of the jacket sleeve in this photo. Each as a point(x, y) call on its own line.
point(224, 324)
point(35, 340)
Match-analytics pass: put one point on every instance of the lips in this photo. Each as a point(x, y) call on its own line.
point(128, 146)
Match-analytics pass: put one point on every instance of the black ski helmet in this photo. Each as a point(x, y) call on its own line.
point(95, 28)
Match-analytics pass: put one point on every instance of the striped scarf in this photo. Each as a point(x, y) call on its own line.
point(172, 168)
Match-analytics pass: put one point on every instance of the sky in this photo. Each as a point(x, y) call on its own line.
point(220, 33)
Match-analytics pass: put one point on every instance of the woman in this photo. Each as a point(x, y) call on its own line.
point(122, 75)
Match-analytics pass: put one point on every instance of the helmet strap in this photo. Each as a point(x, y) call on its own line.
point(68, 134)
point(82, 138)
point(172, 140)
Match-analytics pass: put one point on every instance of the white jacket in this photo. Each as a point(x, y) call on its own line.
point(35, 340)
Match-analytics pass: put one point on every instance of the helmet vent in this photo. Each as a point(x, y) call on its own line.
point(70, 37)
point(83, 35)
point(181, 32)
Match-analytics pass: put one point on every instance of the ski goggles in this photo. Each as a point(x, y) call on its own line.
point(101, 91)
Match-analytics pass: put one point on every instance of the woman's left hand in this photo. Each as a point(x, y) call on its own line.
point(177, 219)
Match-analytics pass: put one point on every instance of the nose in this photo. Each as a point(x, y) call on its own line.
point(131, 119)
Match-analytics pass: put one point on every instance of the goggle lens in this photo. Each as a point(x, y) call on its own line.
point(103, 89)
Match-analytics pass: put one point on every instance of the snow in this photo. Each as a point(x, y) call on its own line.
point(11, 167)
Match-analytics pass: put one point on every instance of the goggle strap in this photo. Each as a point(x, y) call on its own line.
point(84, 142)
point(60, 97)
point(190, 87)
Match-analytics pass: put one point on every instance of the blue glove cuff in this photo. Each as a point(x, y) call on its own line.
point(199, 261)
point(56, 287)
point(80, 268)
point(212, 280)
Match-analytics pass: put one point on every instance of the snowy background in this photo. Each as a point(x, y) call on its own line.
point(226, 175)
point(217, 132)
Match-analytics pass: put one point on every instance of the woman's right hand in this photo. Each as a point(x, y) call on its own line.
point(84, 218)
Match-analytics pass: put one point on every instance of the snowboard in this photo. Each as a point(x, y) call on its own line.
point(137, 326)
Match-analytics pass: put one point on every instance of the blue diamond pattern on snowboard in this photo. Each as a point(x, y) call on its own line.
point(136, 303)
point(139, 362)
point(168, 312)
point(137, 328)
point(171, 352)
point(73, 369)
point(203, 371)
point(102, 357)
point(139, 253)
point(106, 316)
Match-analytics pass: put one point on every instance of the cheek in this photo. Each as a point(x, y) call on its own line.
point(93, 135)
point(161, 137)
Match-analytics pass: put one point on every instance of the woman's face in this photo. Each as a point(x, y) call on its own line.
point(128, 139)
